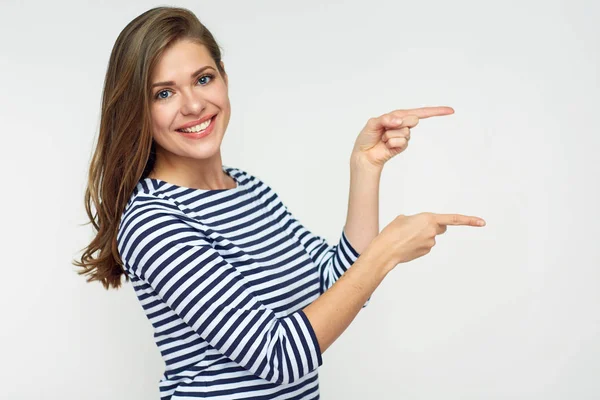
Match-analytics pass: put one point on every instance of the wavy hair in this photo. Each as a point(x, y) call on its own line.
point(125, 150)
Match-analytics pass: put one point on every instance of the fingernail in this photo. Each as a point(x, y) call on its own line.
point(481, 222)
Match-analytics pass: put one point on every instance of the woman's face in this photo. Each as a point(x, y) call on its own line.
point(186, 88)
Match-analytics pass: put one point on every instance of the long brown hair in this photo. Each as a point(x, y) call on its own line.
point(124, 153)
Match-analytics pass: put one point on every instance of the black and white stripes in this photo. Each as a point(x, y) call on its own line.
point(223, 276)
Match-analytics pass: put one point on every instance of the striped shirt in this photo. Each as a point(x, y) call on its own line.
point(223, 277)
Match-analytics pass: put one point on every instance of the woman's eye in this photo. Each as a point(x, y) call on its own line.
point(159, 97)
point(204, 79)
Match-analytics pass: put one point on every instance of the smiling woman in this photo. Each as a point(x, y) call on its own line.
point(221, 268)
point(243, 299)
point(190, 102)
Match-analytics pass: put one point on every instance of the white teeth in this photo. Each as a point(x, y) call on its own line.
point(197, 128)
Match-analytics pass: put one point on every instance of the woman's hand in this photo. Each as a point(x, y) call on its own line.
point(412, 236)
point(387, 135)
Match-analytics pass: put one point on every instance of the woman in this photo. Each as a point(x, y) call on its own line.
point(243, 299)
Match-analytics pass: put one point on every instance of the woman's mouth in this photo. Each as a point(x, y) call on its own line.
point(199, 131)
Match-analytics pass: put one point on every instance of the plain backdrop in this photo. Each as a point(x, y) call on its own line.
point(508, 311)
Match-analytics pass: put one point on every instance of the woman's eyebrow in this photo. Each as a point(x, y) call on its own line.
point(167, 83)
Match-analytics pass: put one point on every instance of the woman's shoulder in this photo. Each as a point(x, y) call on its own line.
point(253, 181)
point(148, 213)
point(149, 202)
point(150, 193)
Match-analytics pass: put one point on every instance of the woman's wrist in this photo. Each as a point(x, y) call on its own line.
point(376, 257)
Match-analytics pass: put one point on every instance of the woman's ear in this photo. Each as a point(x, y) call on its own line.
point(225, 78)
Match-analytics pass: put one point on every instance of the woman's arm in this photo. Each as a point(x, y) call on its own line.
point(331, 261)
point(334, 310)
point(171, 257)
point(362, 219)
point(381, 139)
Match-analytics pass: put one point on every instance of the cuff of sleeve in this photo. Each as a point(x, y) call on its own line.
point(312, 344)
point(352, 255)
point(366, 303)
point(349, 251)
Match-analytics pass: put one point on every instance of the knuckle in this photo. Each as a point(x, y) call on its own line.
point(431, 219)
point(426, 218)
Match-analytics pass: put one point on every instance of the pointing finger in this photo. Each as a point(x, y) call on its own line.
point(425, 112)
point(458, 219)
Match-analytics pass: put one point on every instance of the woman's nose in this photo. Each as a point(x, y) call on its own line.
point(193, 103)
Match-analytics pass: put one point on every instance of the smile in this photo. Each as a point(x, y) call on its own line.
point(199, 131)
point(197, 128)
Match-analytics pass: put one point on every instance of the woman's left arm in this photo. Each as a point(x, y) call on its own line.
point(381, 139)
point(362, 219)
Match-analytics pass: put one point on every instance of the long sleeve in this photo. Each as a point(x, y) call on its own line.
point(169, 251)
point(331, 261)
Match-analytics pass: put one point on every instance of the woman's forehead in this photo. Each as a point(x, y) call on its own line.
point(182, 58)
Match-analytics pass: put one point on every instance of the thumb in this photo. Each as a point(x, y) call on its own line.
point(383, 123)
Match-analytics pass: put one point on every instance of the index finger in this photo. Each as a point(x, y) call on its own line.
point(426, 112)
point(458, 219)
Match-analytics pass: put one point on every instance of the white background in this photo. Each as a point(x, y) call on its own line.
point(508, 311)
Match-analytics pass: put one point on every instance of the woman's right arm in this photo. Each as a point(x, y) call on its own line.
point(403, 240)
